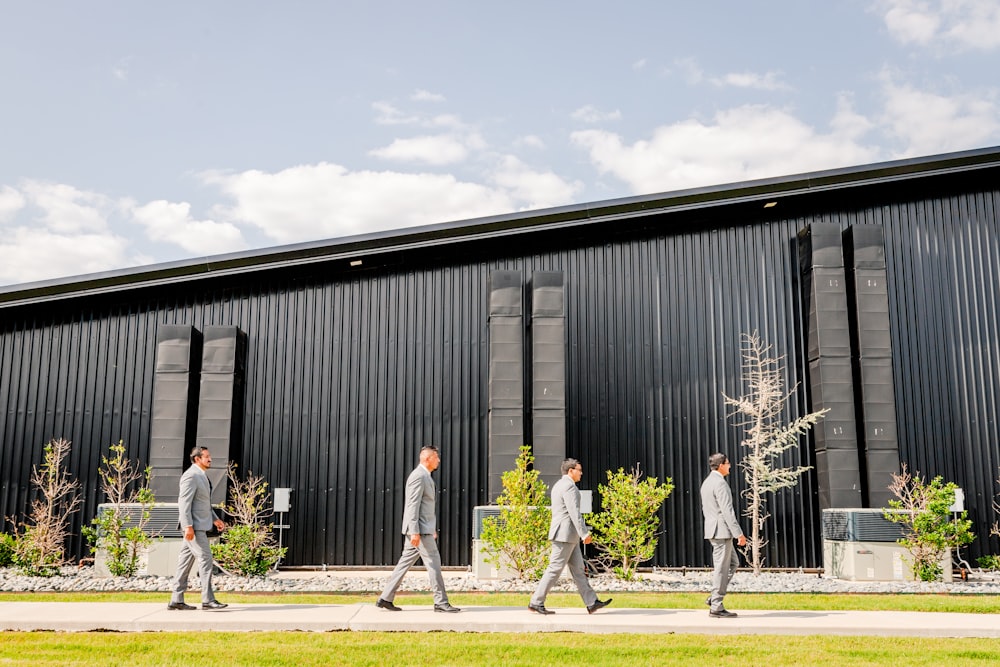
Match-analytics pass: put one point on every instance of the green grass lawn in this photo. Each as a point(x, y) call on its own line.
point(302, 649)
point(433, 648)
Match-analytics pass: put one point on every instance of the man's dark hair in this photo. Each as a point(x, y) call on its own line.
point(568, 465)
point(196, 452)
point(716, 460)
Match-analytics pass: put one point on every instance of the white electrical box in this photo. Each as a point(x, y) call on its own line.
point(282, 500)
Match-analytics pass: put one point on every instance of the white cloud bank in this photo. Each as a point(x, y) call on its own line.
point(961, 24)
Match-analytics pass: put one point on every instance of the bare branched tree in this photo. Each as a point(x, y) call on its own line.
point(759, 412)
point(40, 548)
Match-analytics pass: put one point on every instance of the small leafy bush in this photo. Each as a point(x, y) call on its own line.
point(247, 550)
point(626, 528)
point(924, 510)
point(119, 530)
point(990, 562)
point(7, 549)
point(248, 547)
point(518, 537)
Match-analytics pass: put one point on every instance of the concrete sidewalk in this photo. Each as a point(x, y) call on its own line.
point(155, 617)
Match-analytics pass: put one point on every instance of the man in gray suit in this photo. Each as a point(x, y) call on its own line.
point(196, 518)
point(721, 527)
point(566, 531)
point(420, 534)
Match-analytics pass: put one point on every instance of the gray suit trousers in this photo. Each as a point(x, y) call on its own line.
point(563, 554)
point(429, 554)
point(199, 549)
point(725, 561)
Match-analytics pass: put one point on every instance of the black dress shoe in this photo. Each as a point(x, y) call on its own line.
point(214, 604)
point(174, 606)
point(600, 604)
point(540, 609)
point(446, 608)
point(385, 604)
point(723, 613)
point(708, 601)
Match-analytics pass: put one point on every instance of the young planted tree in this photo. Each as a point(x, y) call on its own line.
point(248, 547)
point(766, 437)
point(120, 530)
point(930, 528)
point(625, 530)
point(518, 537)
point(39, 549)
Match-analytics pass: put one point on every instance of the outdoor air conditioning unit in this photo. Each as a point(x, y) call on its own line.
point(161, 557)
point(860, 544)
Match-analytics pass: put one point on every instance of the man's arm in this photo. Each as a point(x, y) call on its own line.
point(411, 507)
point(724, 497)
point(572, 499)
point(184, 503)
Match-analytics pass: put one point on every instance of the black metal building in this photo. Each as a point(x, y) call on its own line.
point(360, 350)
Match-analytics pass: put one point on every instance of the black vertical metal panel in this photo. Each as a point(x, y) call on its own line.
point(350, 372)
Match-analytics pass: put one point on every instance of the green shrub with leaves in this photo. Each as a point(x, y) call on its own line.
point(518, 537)
point(924, 510)
point(989, 562)
point(7, 547)
point(120, 530)
point(39, 548)
point(625, 530)
point(248, 547)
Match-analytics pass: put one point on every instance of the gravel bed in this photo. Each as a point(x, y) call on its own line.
point(85, 579)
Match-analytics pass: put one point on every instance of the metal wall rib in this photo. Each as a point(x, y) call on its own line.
point(350, 372)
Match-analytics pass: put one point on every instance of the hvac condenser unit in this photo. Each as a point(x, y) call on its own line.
point(860, 544)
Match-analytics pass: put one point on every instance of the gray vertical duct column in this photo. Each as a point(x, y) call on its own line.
point(838, 465)
point(506, 376)
point(548, 372)
point(175, 395)
point(876, 404)
point(220, 405)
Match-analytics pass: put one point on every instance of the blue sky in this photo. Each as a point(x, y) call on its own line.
point(136, 133)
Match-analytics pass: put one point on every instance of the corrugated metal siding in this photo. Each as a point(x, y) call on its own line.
point(349, 373)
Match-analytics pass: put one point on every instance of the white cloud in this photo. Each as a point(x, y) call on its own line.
point(11, 201)
point(386, 114)
point(739, 144)
point(535, 189)
point(590, 114)
point(768, 81)
point(66, 209)
point(326, 200)
point(963, 24)
point(639, 64)
point(426, 96)
point(120, 70)
point(433, 150)
point(689, 70)
point(530, 141)
point(172, 222)
point(67, 234)
point(930, 123)
point(30, 254)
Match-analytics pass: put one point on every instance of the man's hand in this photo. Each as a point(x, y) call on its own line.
point(588, 539)
point(189, 533)
point(219, 525)
point(415, 540)
point(741, 540)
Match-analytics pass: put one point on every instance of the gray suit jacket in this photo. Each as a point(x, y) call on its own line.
point(194, 503)
point(421, 501)
point(567, 520)
point(717, 507)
